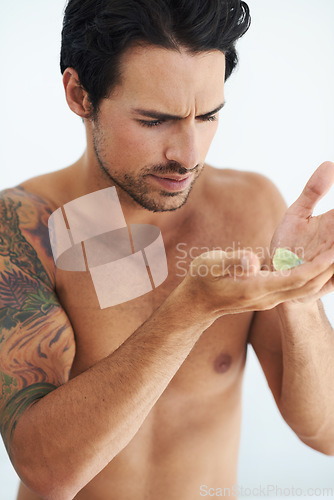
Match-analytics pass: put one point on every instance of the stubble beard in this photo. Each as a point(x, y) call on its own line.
point(137, 188)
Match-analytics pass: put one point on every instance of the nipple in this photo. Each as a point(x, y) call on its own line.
point(222, 363)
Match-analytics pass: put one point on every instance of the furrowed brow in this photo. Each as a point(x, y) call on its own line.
point(213, 112)
point(156, 115)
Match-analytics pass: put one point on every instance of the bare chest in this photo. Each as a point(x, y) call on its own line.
point(218, 356)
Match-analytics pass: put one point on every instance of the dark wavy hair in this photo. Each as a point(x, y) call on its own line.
point(97, 32)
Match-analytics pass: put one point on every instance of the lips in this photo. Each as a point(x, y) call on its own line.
point(172, 182)
point(173, 177)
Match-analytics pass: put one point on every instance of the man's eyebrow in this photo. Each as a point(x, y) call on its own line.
point(156, 115)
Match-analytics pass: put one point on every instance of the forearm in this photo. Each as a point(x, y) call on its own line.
point(307, 391)
point(70, 435)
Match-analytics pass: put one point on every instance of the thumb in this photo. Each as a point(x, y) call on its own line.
point(317, 186)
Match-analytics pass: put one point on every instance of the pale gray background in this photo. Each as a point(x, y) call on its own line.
point(278, 121)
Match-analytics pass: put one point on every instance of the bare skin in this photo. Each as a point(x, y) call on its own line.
point(163, 449)
point(143, 399)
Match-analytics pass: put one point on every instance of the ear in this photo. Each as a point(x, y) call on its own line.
point(76, 95)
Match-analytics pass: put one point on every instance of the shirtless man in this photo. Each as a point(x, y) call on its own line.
point(143, 399)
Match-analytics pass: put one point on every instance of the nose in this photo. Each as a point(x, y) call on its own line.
point(183, 146)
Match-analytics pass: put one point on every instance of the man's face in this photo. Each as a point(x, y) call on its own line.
point(152, 134)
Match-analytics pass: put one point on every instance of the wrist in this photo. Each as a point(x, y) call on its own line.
point(297, 308)
point(188, 304)
point(297, 319)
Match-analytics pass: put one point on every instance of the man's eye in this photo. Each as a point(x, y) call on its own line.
point(212, 118)
point(149, 124)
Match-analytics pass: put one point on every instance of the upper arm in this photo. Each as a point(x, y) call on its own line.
point(36, 338)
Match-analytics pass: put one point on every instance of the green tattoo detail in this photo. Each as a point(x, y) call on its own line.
point(33, 330)
point(41, 300)
point(7, 383)
point(14, 246)
point(26, 290)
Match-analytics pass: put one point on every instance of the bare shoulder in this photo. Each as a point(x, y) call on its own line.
point(250, 192)
point(245, 182)
point(54, 188)
point(24, 232)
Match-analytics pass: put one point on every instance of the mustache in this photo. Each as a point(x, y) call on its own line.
point(172, 168)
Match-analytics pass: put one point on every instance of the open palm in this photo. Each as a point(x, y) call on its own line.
point(302, 233)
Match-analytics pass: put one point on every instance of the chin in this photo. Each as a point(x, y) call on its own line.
point(168, 204)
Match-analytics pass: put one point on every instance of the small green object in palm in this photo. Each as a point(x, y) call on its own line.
point(285, 259)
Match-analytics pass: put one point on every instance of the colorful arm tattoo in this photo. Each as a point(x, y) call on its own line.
point(36, 338)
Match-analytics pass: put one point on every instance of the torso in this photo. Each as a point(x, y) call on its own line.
point(191, 436)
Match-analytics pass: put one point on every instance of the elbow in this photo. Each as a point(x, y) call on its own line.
point(324, 446)
point(44, 472)
point(326, 449)
point(319, 436)
point(329, 452)
point(41, 476)
point(49, 491)
point(45, 484)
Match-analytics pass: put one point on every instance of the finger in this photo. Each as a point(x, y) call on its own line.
point(314, 288)
point(317, 186)
point(327, 288)
point(281, 281)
